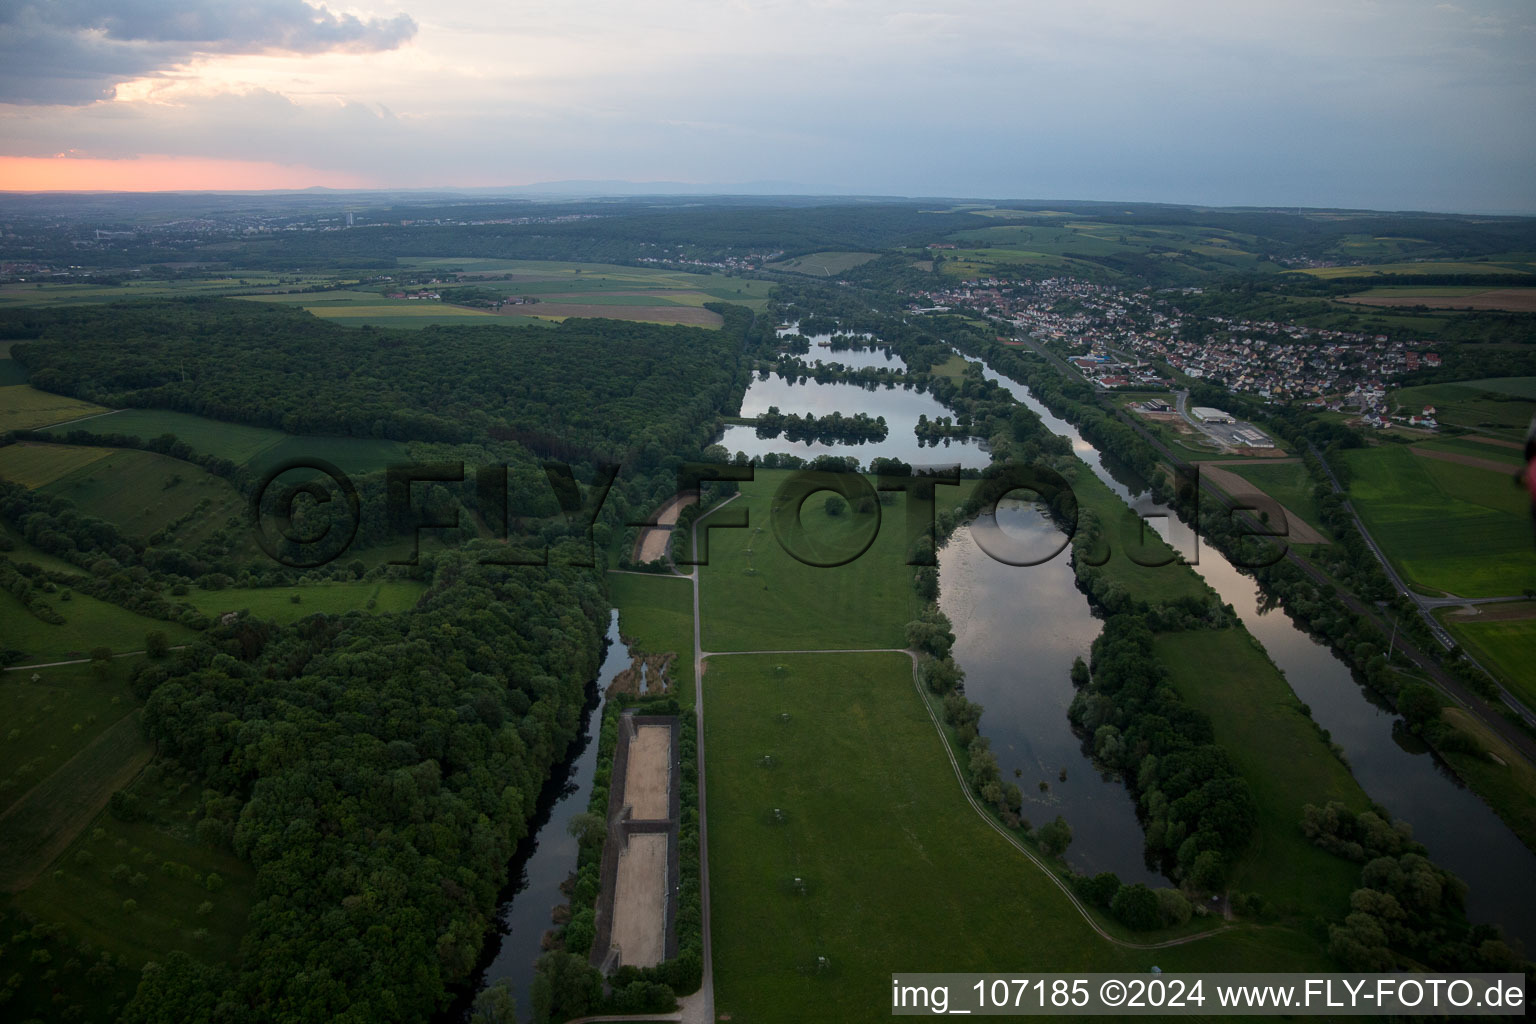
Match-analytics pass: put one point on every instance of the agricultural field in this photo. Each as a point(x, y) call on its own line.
point(37, 465)
point(1517, 300)
point(134, 890)
point(1455, 528)
point(48, 721)
point(88, 624)
point(1081, 245)
point(1504, 645)
point(244, 445)
point(26, 408)
point(823, 264)
point(50, 293)
point(1515, 264)
point(888, 866)
point(1289, 483)
point(145, 494)
point(1506, 453)
point(1500, 407)
point(543, 278)
point(289, 604)
point(1258, 720)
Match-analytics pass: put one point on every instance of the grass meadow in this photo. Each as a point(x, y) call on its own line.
point(1447, 527)
point(1280, 751)
point(895, 870)
point(1289, 483)
point(245, 445)
point(1501, 407)
point(277, 604)
point(756, 596)
point(1505, 646)
point(88, 624)
point(37, 465)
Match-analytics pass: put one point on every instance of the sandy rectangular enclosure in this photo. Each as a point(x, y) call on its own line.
point(648, 774)
point(640, 900)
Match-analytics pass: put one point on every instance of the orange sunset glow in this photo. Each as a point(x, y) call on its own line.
point(163, 174)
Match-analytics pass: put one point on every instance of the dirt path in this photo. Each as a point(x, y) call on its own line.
point(648, 774)
point(654, 541)
point(1300, 532)
point(1464, 460)
point(640, 900)
point(1496, 442)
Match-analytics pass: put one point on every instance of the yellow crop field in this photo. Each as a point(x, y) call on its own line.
point(23, 407)
point(37, 465)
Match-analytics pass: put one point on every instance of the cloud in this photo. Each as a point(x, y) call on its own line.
point(74, 52)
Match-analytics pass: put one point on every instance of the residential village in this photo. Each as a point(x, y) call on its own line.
point(1123, 339)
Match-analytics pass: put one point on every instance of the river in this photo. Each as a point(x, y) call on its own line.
point(1017, 632)
point(547, 855)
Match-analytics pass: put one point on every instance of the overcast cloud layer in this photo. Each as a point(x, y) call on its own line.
point(1376, 103)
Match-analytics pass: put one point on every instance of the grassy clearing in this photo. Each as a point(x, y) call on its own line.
point(544, 277)
point(12, 372)
point(278, 605)
point(26, 408)
point(1500, 775)
point(168, 879)
point(75, 294)
point(1282, 754)
point(146, 494)
point(656, 616)
point(1154, 583)
point(21, 551)
point(37, 465)
point(824, 264)
point(756, 596)
point(45, 723)
point(1501, 407)
point(1505, 646)
point(36, 828)
point(1448, 527)
point(1289, 483)
point(250, 446)
point(88, 624)
point(896, 867)
point(1415, 268)
point(399, 310)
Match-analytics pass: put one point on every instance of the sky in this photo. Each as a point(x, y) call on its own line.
point(1382, 104)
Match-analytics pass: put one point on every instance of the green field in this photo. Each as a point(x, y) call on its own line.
point(38, 826)
point(145, 494)
point(1498, 773)
point(47, 722)
point(1155, 583)
point(142, 888)
point(1476, 449)
point(1505, 646)
point(1289, 483)
point(74, 294)
point(88, 624)
point(1502, 407)
point(656, 616)
point(37, 465)
point(12, 372)
point(1511, 266)
point(278, 604)
point(243, 445)
point(1078, 246)
point(583, 281)
point(1446, 527)
point(25, 408)
point(896, 867)
point(1258, 720)
point(824, 264)
point(755, 596)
